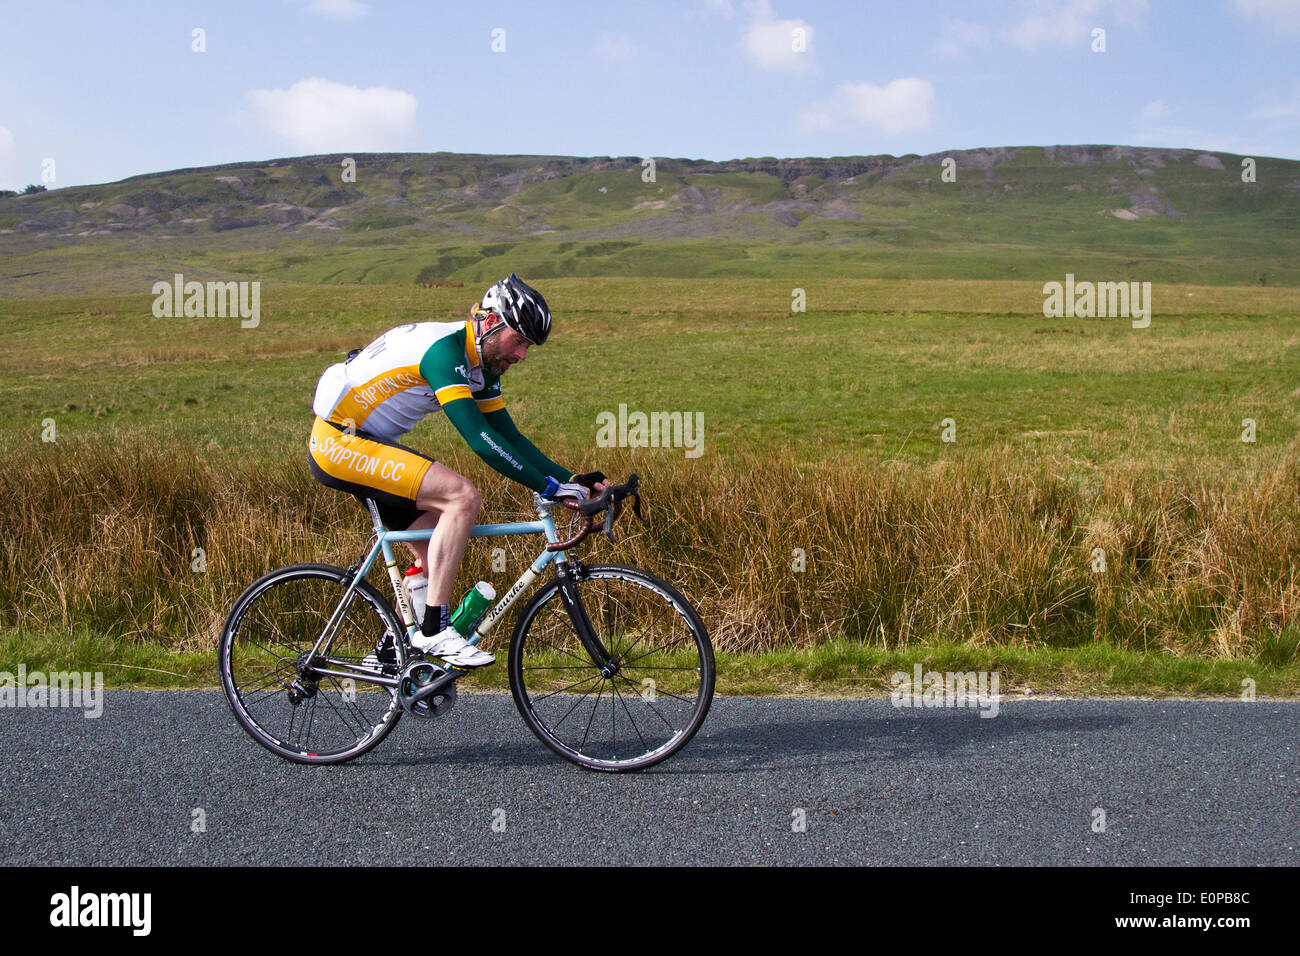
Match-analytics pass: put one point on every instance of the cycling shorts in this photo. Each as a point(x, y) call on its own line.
point(369, 467)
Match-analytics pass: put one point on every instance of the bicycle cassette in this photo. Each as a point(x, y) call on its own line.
point(426, 690)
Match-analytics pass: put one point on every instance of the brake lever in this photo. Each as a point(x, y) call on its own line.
point(612, 506)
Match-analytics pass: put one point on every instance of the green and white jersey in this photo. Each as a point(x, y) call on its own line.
point(423, 368)
point(402, 376)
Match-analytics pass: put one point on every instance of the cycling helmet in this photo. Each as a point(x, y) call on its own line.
point(521, 307)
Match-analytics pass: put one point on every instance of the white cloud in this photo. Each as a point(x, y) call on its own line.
point(8, 160)
point(338, 9)
point(900, 107)
point(1281, 15)
point(614, 48)
point(324, 116)
point(956, 36)
point(1155, 111)
point(777, 44)
point(1066, 22)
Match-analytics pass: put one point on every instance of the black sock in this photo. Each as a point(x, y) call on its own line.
point(437, 617)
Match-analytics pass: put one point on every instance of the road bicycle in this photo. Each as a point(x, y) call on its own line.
point(610, 666)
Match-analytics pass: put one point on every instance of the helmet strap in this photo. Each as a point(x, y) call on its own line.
point(480, 336)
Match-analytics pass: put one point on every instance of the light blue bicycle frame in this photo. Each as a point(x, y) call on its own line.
point(383, 544)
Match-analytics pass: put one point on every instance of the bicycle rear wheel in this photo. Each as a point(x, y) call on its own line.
point(641, 708)
point(283, 703)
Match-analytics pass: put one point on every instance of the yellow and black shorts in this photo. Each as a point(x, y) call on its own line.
point(369, 467)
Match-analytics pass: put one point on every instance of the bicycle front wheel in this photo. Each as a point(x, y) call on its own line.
point(279, 696)
point(642, 706)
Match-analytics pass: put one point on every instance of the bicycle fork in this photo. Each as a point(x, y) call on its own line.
point(581, 620)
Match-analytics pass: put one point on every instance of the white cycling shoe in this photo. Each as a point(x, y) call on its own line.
point(452, 648)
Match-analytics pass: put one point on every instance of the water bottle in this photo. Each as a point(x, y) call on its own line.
point(417, 589)
point(472, 606)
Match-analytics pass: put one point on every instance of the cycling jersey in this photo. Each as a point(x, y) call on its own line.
point(423, 368)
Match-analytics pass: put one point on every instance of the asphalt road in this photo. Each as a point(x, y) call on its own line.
point(1180, 782)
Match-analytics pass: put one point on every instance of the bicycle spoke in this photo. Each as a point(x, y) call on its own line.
point(311, 718)
point(576, 683)
point(654, 650)
point(356, 711)
point(650, 704)
point(269, 695)
point(269, 627)
point(627, 668)
point(594, 707)
point(629, 716)
point(659, 692)
point(269, 652)
point(586, 661)
point(270, 676)
point(647, 629)
point(575, 704)
point(360, 728)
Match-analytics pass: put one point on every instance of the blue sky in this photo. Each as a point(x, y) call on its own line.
point(109, 90)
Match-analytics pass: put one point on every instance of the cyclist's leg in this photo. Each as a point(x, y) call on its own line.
point(404, 483)
point(452, 504)
point(419, 549)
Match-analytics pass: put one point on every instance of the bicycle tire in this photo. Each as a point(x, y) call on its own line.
point(281, 677)
point(529, 703)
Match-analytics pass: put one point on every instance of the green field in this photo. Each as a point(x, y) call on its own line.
point(867, 372)
point(822, 433)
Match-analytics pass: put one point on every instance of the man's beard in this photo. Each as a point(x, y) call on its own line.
point(492, 360)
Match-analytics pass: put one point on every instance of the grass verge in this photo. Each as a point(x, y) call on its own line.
point(838, 669)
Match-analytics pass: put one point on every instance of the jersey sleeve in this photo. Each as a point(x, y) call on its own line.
point(493, 406)
point(500, 419)
point(490, 445)
point(444, 368)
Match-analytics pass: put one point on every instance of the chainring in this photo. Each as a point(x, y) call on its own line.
point(419, 674)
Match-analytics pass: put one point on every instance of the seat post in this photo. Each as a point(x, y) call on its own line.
point(404, 609)
point(374, 514)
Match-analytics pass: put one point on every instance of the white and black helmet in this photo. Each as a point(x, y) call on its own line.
point(521, 307)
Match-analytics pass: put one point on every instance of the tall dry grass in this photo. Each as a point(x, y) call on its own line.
point(975, 549)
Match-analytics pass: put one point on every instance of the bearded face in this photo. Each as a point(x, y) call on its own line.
point(491, 357)
point(502, 350)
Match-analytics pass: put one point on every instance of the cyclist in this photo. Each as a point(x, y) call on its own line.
point(365, 404)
